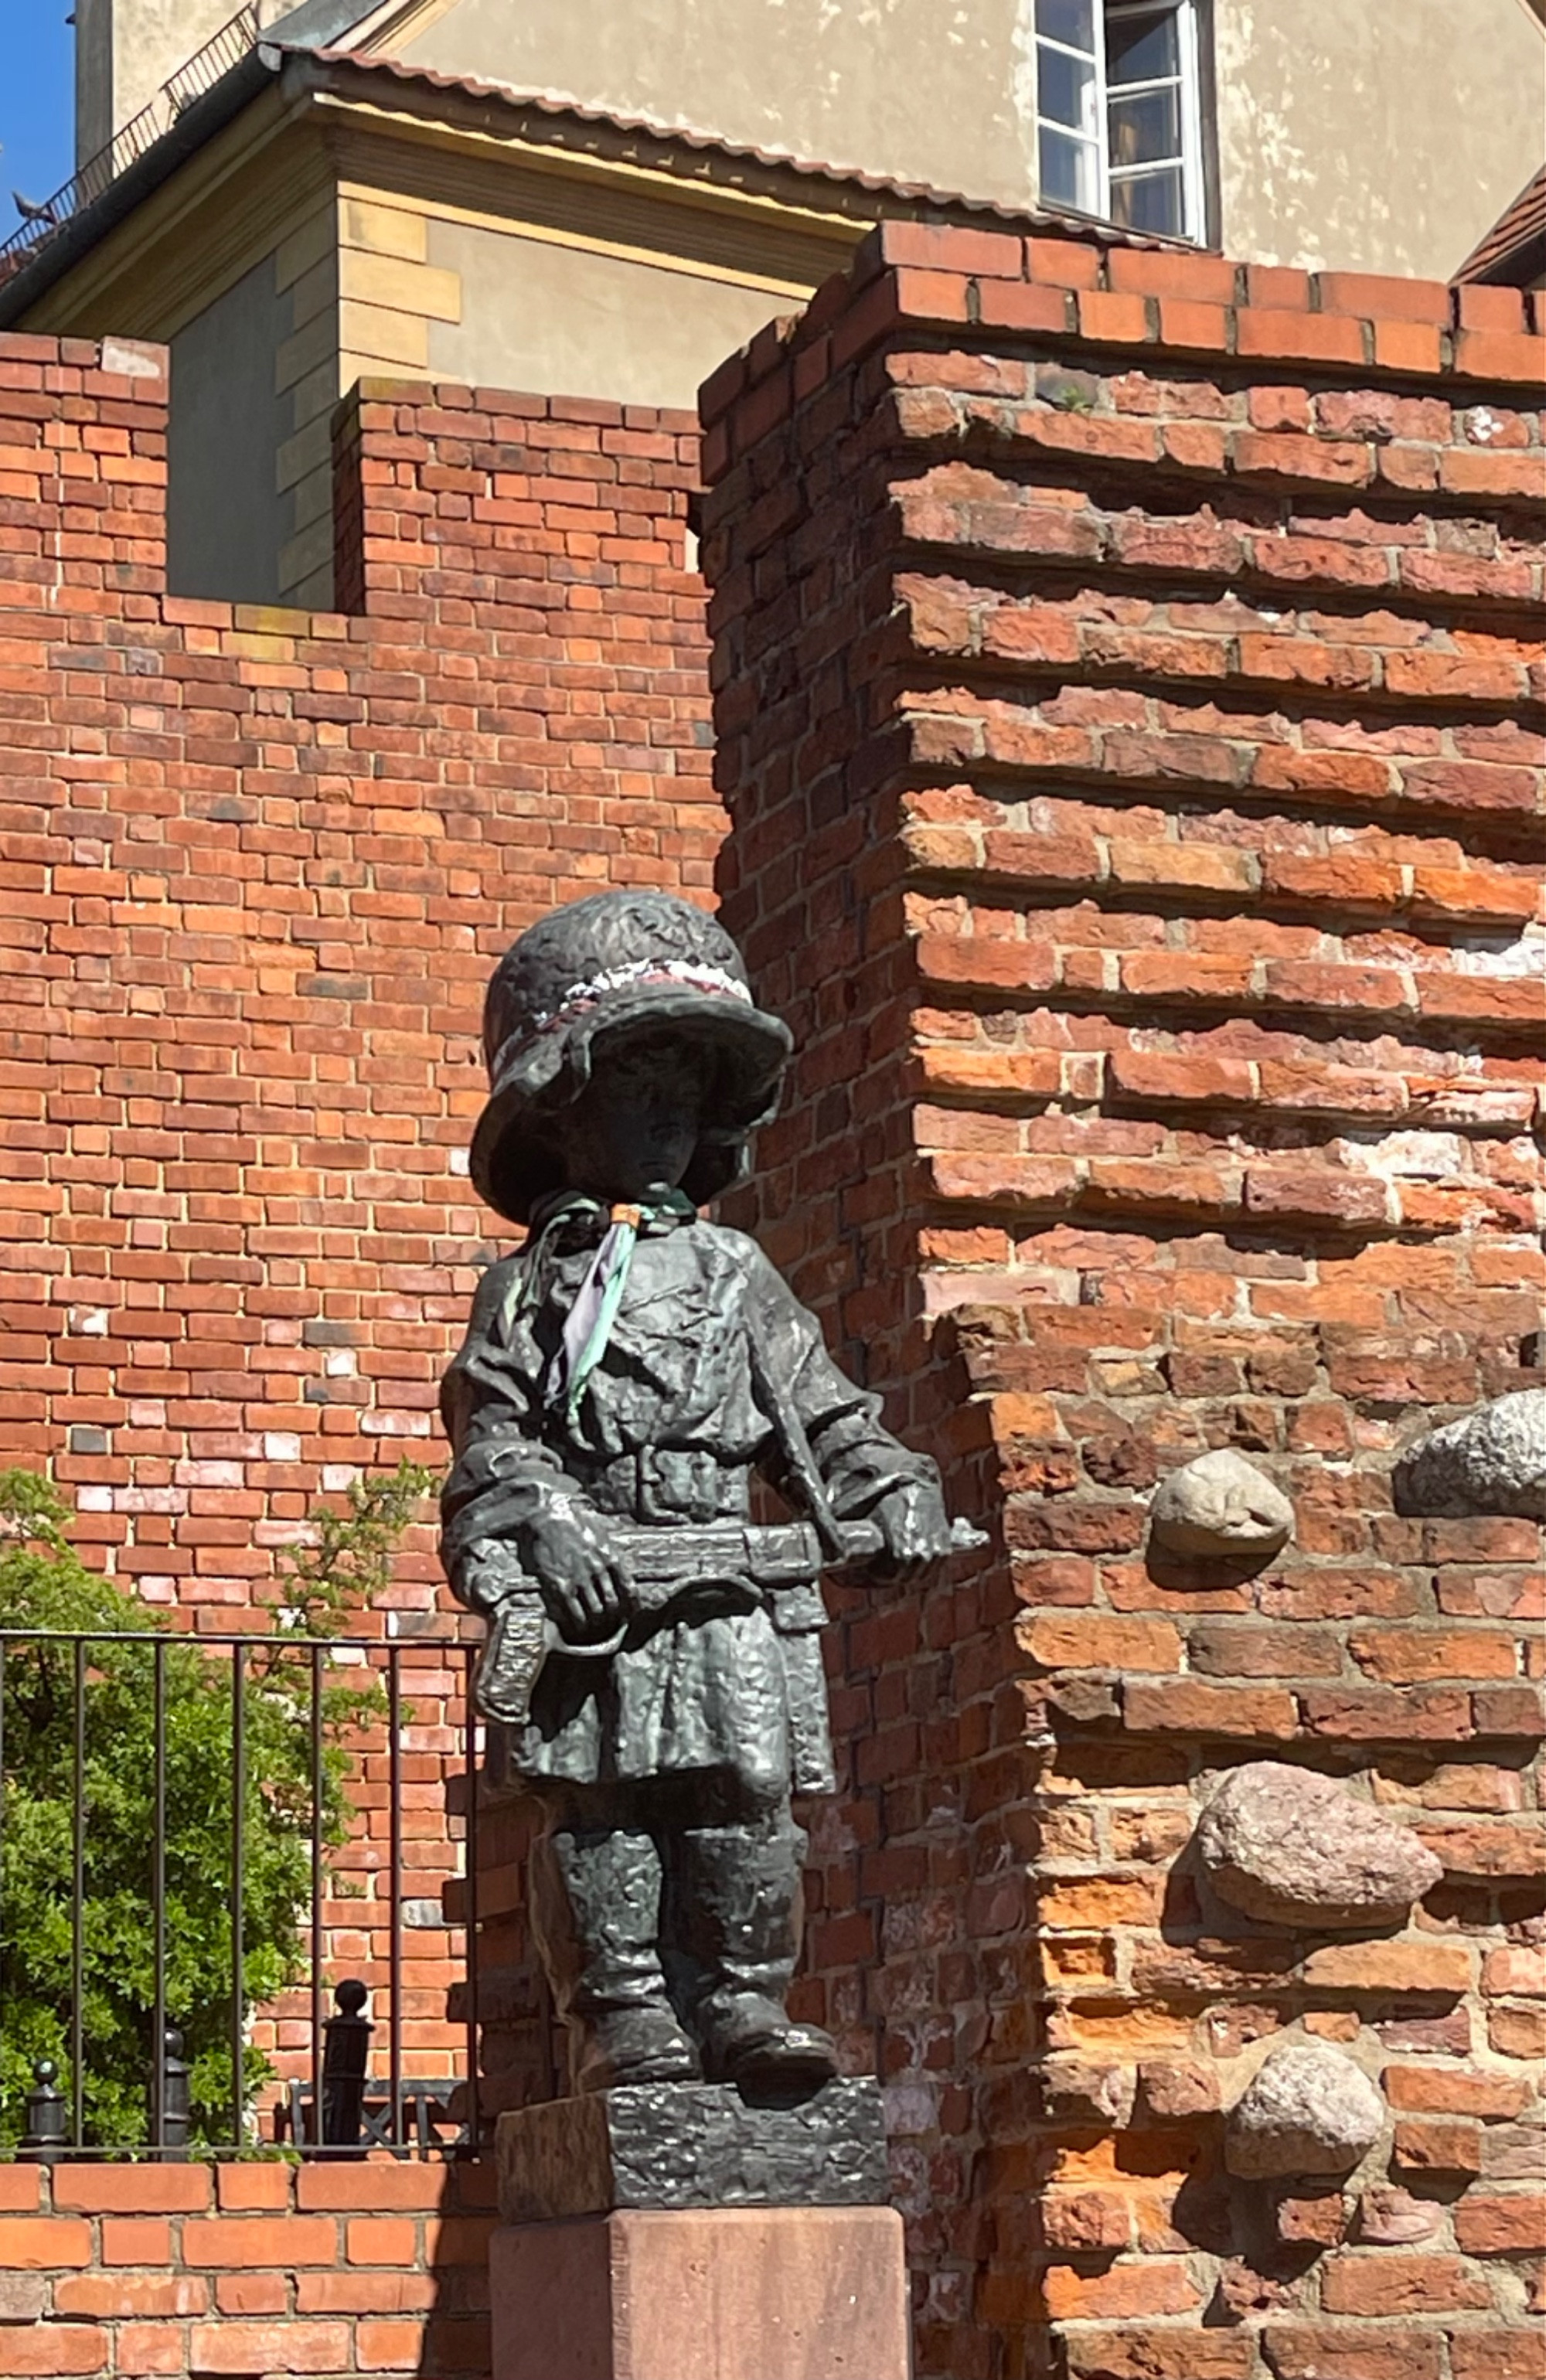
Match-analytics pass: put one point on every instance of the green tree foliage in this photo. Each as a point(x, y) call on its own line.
point(45, 1585)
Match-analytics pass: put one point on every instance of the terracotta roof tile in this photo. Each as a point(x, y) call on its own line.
point(1521, 228)
point(559, 108)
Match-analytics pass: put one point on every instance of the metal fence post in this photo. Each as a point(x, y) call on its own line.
point(174, 2103)
point(238, 1893)
point(47, 2133)
point(345, 2059)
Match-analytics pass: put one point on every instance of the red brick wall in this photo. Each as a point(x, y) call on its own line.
point(1132, 813)
point(244, 2269)
point(1123, 666)
point(256, 867)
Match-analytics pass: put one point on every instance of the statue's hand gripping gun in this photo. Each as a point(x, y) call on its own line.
point(680, 1571)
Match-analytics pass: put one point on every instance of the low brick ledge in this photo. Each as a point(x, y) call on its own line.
point(375, 2266)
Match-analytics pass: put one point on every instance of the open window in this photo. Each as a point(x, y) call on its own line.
point(1120, 112)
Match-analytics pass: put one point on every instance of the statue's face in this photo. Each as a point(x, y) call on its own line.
point(635, 1125)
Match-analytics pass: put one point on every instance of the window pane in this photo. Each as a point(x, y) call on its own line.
point(1141, 48)
point(1068, 20)
point(1065, 91)
point(1070, 172)
point(1149, 201)
point(1145, 129)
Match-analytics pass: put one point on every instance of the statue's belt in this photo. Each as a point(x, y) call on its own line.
point(684, 1572)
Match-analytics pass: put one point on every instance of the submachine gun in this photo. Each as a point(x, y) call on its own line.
point(683, 1572)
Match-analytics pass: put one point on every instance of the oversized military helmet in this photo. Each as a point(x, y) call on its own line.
point(586, 978)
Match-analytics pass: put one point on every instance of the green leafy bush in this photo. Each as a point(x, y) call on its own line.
point(45, 1585)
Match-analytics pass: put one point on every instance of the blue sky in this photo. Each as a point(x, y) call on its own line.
point(37, 102)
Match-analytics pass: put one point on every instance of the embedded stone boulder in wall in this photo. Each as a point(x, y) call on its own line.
point(1492, 1462)
point(1294, 1849)
point(1218, 1505)
point(1307, 2109)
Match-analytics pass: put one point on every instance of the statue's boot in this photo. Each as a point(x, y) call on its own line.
point(740, 1918)
point(595, 1913)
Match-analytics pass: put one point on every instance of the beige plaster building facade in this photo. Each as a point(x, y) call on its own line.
point(1373, 135)
point(606, 197)
point(1383, 135)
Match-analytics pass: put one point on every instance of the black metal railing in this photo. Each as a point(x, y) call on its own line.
point(224, 50)
point(188, 1826)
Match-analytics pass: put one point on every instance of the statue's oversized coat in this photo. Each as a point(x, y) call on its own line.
point(713, 1373)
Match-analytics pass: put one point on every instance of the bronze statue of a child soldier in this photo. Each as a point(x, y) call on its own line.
point(624, 1377)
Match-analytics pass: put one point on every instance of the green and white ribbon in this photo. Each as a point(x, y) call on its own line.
point(588, 1325)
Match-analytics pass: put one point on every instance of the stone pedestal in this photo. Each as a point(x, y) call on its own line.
point(679, 2145)
point(684, 2232)
point(737, 2293)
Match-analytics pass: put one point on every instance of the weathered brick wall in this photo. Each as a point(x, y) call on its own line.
point(1124, 674)
point(257, 866)
point(1121, 669)
point(372, 2267)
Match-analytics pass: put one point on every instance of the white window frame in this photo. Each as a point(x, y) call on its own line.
point(1188, 83)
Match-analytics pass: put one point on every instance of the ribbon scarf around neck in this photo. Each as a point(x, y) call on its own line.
point(588, 1324)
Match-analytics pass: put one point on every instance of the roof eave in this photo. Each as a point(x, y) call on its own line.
point(1508, 254)
point(553, 120)
point(197, 124)
point(305, 72)
point(1517, 266)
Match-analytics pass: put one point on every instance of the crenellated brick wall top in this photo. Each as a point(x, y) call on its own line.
point(257, 865)
point(1003, 288)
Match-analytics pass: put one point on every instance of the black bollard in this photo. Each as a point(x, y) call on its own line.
point(175, 2108)
point(47, 2133)
point(345, 2055)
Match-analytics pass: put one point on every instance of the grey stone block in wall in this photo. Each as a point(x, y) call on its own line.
point(1307, 2109)
point(1220, 1505)
point(1493, 1461)
point(1291, 1848)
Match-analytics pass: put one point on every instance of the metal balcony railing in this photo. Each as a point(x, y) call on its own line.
point(197, 1833)
point(203, 71)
